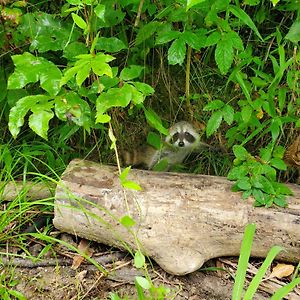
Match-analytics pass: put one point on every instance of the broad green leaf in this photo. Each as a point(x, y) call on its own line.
point(235, 40)
point(79, 21)
point(74, 49)
point(131, 185)
point(281, 188)
point(127, 221)
point(154, 120)
point(131, 72)
point(193, 40)
point(111, 44)
point(114, 97)
point(244, 17)
point(30, 69)
point(82, 74)
point(143, 282)
point(280, 200)
point(237, 172)
point(213, 39)
point(224, 56)
point(99, 11)
point(215, 104)
point(267, 186)
point(176, 53)
point(154, 140)
point(294, 33)
point(161, 166)
point(240, 152)
point(243, 84)
point(39, 122)
point(191, 3)
point(245, 252)
point(144, 88)
point(214, 122)
point(246, 113)
point(103, 118)
point(244, 183)
point(228, 114)
point(146, 31)
point(139, 259)
point(165, 37)
point(19, 111)
point(278, 164)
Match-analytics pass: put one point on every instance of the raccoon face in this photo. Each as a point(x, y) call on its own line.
point(182, 135)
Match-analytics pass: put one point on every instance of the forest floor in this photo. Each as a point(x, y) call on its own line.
point(61, 274)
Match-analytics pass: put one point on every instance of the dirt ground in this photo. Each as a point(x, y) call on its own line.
point(54, 277)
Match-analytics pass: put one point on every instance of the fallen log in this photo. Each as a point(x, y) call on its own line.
point(182, 220)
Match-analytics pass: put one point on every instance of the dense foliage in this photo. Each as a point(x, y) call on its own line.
point(70, 67)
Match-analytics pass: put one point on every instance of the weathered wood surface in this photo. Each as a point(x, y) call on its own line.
point(182, 220)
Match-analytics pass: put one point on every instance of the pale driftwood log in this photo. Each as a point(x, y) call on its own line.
point(182, 220)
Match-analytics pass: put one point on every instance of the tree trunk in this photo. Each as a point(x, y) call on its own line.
point(182, 220)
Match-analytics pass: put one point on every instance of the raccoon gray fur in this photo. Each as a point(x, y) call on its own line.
point(179, 143)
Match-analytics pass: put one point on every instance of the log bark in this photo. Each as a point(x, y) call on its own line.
point(182, 220)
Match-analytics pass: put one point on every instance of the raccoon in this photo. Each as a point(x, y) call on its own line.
point(178, 144)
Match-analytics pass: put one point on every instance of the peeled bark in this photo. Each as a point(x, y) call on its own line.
point(182, 220)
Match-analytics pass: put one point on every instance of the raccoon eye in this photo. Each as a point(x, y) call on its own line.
point(174, 138)
point(190, 138)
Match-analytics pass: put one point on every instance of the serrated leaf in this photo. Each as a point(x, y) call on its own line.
point(244, 17)
point(246, 113)
point(213, 39)
point(139, 259)
point(131, 72)
point(214, 123)
point(176, 53)
point(193, 40)
point(228, 114)
point(127, 221)
point(215, 104)
point(39, 122)
point(165, 37)
point(143, 282)
point(235, 40)
point(278, 164)
point(224, 56)
point(240, 152)
point(79, 21)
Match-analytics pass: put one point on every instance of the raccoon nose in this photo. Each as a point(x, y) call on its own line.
point(181, 144)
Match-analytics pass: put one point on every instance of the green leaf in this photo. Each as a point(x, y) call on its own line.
point(228, 114)
point(154, 120)
point(283, 291)
point(127, 221)
point(143, 282)
point(146, 31)
point(247, 194)
point(257, 279)
point(282, 189)
point(235, 40)
point(242, 15)
point(111, 44)
point(278, 164)
point(224, 56)
point(131, 72)
point(191, 3)
point(161, 166)
point(294, 33)
point(82, 74)
point(215, 104)
point(99, 11)
point(194, 40)
point(244, 183)
point(131, 185)
point(103, 118)
point(214, 122)
point(165, 37)
point(79, 21)
point(139, 259)
point(30, 69)
point(124, 173)
point(176, 53)
point(245, 252)
point(213, 39)
point(144, 88)
point(246, 113)
point(19, 111)
point(39, 122)
point(267, 186)
point(280, 201)
point(237, 172)
point(154, 140)
point(240, 152)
